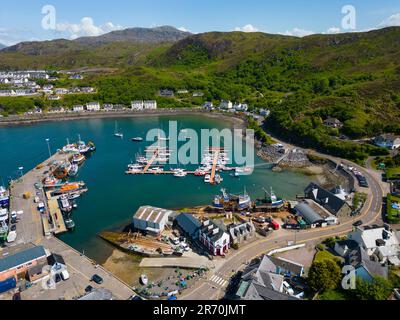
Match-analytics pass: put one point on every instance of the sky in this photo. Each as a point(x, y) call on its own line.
point(33, 20)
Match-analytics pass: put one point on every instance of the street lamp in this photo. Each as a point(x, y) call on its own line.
point(48, 147)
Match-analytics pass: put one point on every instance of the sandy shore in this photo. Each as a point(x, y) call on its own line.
point(233, 120)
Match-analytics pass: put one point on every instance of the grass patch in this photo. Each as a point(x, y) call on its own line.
point(393, 173)
point(393, 215)
point(325, 255)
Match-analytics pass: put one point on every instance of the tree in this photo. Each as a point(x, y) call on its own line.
point(324, 275)
point(378, 289)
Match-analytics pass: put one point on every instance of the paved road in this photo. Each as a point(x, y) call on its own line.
point(214, 288)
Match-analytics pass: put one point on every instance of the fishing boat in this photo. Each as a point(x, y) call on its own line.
point(117, 133)
point(52, 182)
point(207, 178)
point(78, 159)
point(137, 139)
point(271, 201)
point(69, 188)
point(244, 201)
point(73, 172)
point(4, 197)
point(218, 179)
point(82, 147)
point(226, 200)
point(70, 148)
point(144, 280)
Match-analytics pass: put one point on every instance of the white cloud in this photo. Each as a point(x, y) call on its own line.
point(247, 28)
point(10, 37)
point(392, 21)
point(333, 30)
point(297, 32)
point(86, 27)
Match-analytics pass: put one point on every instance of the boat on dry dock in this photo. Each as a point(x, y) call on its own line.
point(228, 201)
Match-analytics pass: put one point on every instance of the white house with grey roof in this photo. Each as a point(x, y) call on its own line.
point(389, 141)
point(260, 281)
point(381, 242)
point(214, 238)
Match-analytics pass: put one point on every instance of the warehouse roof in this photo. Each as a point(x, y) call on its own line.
point(311, 217)
point(152, 214)
point(21, 257)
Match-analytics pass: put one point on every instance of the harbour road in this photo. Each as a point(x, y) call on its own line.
point(210, 289)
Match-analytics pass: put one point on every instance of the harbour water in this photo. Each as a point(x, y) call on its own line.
point(113, 197)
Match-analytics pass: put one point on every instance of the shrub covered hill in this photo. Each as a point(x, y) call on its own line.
point(354, 77)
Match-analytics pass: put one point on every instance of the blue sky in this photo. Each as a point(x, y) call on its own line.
point(21, 20)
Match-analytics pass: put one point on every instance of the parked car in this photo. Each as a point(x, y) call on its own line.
point(13, 227)
point(358, 223)
point(65, 275)
point(397, 294)
point(88, 289)
point(97, 279)
point(287, 288)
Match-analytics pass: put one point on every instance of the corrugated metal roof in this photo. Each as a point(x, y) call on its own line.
point(21, 257)
point(308, 214)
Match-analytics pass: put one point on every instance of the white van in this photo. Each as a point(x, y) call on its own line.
point(65, 275)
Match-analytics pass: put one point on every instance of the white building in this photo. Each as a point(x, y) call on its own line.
point(151, 219)
point(382, 242)
point(241, 107)
point(93, 106)
point(226, 105)
point(137, 105)
point(215, 239)
point(389, 141)
point(78, 108)
point(150, 105)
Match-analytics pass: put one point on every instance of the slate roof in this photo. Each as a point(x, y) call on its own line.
point(16, 259)
point(209, 232)
point(325, 198)
point(287, 265)
point(188, 223)
point(359, 258)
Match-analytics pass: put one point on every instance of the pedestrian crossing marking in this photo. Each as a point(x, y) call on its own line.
point(219, 281)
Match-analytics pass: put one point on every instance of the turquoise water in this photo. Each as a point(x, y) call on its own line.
point(114, 197)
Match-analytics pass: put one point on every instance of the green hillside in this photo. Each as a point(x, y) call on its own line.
point(354, 77)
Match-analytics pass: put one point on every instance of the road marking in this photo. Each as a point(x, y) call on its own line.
point(219, 281)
